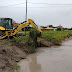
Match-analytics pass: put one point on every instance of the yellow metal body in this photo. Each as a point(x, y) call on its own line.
point(2, 28)
point(19, 27)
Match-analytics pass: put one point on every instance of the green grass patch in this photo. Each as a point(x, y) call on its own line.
point(16, 67)
point(22, 39)
point(56, 36)
point(24, 31)
point(53, 36)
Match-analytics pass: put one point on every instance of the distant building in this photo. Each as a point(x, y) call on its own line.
point(47, 28)
point(15, 25)
point(61, 27)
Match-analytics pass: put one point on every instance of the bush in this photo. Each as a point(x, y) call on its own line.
point(33, 35)
point(58, 29)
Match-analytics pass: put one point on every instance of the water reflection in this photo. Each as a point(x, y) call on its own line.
point(54, 59)
point(24, 66)
point(30, 65)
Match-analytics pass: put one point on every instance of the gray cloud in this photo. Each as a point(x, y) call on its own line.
point(41, 14)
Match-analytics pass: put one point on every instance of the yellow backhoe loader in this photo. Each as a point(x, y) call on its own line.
point(6, 27)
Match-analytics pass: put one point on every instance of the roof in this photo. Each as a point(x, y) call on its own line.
point(5, 18)
point(59, 26)
point(15, 24)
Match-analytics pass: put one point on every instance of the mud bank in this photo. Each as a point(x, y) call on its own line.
point(40, 43)
point(47, 43)
point(9, 56)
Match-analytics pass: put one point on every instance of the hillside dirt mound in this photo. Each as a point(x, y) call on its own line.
point(8, 56)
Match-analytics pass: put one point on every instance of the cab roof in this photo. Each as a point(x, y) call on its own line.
point(5, 18)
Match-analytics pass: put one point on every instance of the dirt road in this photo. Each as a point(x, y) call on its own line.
point(54, 59)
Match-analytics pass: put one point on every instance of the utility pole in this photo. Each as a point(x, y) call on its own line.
point(26, 11)
point(26, 17)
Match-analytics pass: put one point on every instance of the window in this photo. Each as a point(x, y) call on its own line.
point(6, 23)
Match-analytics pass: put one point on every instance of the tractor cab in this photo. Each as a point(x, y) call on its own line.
point(6, 24)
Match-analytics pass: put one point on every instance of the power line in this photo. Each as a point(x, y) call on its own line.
point(39, 4)
point(49, 4)
point(12, 5)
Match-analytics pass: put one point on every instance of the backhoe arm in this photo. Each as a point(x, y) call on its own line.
point(34, 25)
point(20, 26)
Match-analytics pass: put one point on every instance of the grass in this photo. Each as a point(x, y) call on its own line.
point(53, 36)
point(16, 67)
point(56, 36)
point(22, 39)
point(24, 31)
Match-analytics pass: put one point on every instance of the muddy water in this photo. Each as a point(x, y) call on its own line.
point(53, 59)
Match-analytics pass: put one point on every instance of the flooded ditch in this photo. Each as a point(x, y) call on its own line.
point(53, 59)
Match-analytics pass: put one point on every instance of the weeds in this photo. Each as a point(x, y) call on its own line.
point(22, 39)
point(16, 40)
point(16, 67)
point(32, 38)
point(31, 48)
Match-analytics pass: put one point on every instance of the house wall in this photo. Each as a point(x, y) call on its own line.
point(47, 29)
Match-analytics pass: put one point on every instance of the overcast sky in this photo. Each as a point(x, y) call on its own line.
point(42, 14)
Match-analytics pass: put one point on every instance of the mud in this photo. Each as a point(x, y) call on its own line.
point(9, 55)
point(49, 59)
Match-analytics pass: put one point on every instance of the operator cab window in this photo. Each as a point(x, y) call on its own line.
point(6, 23)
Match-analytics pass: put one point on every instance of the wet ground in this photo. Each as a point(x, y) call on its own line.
point(53, 59)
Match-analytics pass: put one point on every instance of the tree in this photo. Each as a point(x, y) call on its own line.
point(50, 25)
point(58, 29)
point(44, 27)
point(65, 28)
